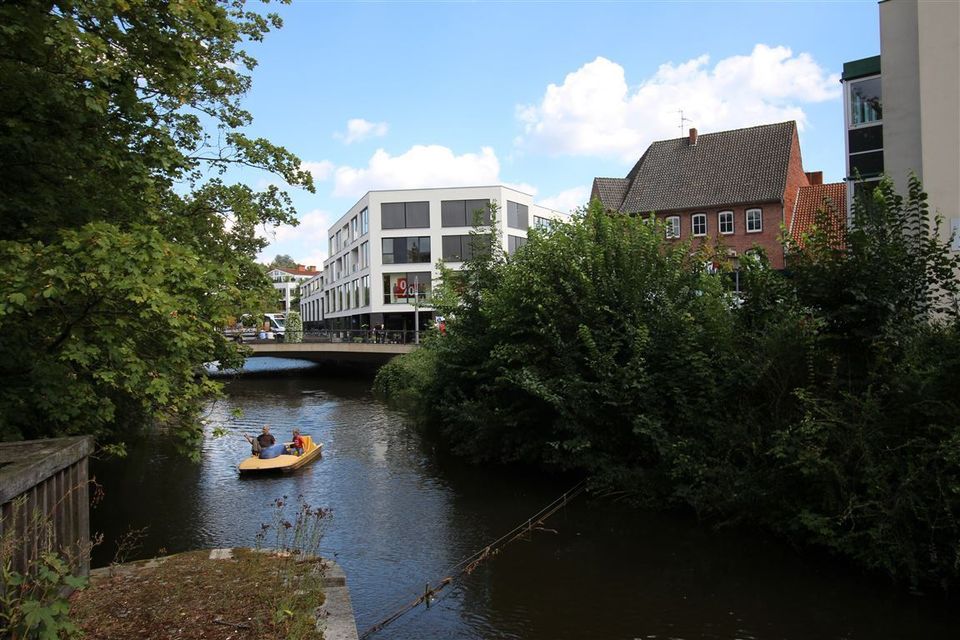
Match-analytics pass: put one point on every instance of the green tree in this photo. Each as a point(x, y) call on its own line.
point(283, 260)
point(125, 247)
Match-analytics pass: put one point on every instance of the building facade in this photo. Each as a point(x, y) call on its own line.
point(908, 109)
point(736, 188)
point(287, 283)
point(383, 252)
point(311, 302)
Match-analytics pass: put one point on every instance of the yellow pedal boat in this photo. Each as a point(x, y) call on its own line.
point(284, 462)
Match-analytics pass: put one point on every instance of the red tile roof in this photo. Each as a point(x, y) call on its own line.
point(299, 271)
point(829, 198)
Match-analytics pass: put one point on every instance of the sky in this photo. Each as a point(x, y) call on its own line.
point(542, 96)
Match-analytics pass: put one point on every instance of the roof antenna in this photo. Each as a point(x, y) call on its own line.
point(682, 120)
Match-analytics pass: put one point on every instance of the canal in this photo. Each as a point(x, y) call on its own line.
point(403, 514)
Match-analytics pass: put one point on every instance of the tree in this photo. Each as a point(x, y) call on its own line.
point(283, 260)
point(125, 247)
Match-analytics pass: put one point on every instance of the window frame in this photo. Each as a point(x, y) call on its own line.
point(672, 230)
point(720, 216)
point(746, 218)
point(693, 225)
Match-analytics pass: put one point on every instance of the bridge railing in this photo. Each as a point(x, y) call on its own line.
point(359, 336)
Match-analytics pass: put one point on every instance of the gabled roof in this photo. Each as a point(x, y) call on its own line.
point(741, 166)
point(829, 198)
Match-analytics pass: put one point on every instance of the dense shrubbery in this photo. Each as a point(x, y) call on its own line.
point(819, 404)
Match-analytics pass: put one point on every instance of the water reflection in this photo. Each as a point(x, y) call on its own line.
point(404, 514)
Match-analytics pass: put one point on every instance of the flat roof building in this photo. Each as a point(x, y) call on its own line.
point(383, 252)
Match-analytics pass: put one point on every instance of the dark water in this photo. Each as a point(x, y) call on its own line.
point(404, 514)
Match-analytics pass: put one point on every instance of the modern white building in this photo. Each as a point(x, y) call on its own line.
point(384, 250)
point(311, 302)
point(903, 118)
point(287, 283)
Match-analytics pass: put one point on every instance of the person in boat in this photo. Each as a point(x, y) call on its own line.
point(262, 441)
point(296, 446)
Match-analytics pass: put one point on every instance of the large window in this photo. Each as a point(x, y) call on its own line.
point(514, 243)
point(364, 221)
point(542, 223)
point(866, 106)
point(364, 255)
point(402, 250)
point(460, 248)
point(402, 288)
point(725, 218)
point(405, 215)
point(354, 229)
point(518, 216)
point(464, 213)
point(673, 227)
point(365, 281)
point(754, 221)
point(699, 222)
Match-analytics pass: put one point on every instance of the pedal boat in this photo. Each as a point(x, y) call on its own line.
point(284, 462)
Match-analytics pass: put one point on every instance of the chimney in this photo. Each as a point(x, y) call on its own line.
point(693, 137)
point(814, 177)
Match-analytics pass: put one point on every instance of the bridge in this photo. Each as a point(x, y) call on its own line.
point(356, 354)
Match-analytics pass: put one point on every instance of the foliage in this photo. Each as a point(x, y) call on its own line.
point(293, 327)
point(819, 403)
point(283, 260)
point(295, 543)
point(32, 603)
point(124, 247)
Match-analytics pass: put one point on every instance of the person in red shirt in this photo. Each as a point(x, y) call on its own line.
point(297, 443)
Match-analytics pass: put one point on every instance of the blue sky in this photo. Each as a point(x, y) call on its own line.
point(541, 95)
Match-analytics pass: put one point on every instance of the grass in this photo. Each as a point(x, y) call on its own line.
point(256, 594)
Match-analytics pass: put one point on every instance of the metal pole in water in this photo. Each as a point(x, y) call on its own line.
point(426, 594)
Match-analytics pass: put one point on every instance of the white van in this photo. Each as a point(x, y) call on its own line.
point(275, 321)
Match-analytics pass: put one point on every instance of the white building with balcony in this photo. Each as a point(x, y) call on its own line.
point(384, 250)
point(287, 283)
point(311, 302)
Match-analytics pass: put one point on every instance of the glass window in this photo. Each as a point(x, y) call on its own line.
point(452, 248)
point(364, 221)
point(478, 212)
point(453, 213)
point(418, 215)
point(464, 213)
point(517, 215)
point(354, 228)
point(401, 250)
point(673, 227)
point(405, 215)
point(392, 216)
point(514, 243)
point(402, 288)
point(366, 290)
point(866, 105)
point(699, 224)
point(542, 223)
point(726, 222)
point(754, 220)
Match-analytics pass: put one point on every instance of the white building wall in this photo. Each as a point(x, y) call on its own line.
point(920, 58)
point(373, 201)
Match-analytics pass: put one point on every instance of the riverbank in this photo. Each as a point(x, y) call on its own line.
point(218, 594)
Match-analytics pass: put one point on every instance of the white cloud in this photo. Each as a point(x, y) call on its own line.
point(594, 112)
point(306, 243)
point(522, 187)
point(567, 200)
point(421, 166)
point(359, 129)
point(321, 170)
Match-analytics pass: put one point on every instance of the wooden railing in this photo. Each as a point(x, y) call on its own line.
point(45, 501)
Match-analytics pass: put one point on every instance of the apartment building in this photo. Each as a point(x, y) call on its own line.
point(287, 282)
point(383, 252)
point(901, 106)
point(311, 302)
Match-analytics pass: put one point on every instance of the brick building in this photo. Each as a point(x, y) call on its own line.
point(738, 186)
